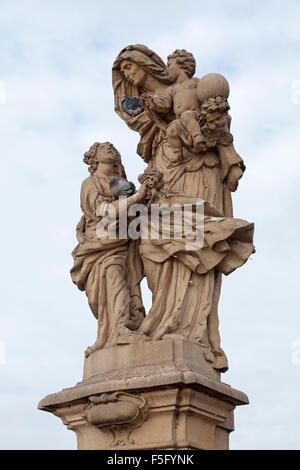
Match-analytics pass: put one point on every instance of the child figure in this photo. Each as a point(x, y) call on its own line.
point(201, 110)
point(182, 99)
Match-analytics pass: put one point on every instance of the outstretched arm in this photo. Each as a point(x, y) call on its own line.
point(138, 197)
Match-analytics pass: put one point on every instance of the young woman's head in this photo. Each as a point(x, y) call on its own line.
point(104, 153)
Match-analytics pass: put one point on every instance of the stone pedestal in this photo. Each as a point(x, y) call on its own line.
point(148, 395)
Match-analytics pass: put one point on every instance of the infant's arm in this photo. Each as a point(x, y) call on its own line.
point(162, 102)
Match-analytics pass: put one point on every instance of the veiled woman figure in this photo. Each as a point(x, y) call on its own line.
point(185, 284)
point(136, 70)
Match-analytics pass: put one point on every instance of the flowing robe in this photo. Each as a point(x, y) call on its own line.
point(186, 284)
point(108, 270)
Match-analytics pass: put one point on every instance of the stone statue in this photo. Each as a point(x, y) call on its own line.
point(192, 279)
point(108, 270)
point(152, 381)
point(181, 99)
point(138, 70)
point(201, 110)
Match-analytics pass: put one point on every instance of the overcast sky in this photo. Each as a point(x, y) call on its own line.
point(55, 64)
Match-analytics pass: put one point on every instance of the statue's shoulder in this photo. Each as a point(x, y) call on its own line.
point(189, 84)
point(87, 183)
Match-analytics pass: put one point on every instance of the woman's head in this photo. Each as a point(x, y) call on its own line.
point(104, 153)
point(133, 70)
point(143, 58)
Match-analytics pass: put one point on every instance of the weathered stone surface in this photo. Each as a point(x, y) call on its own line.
point(153, 381)
point(185, 134)
point(159, 400)
point(177, 408)
point(140, 358)
point(177, 418)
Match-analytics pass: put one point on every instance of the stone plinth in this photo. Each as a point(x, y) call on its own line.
point(153, 395)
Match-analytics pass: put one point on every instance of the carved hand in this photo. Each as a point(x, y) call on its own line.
point(147, 101)
point(143, 191)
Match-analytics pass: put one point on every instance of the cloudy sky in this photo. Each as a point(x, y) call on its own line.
point(56, 100)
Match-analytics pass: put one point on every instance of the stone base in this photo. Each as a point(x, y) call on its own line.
point(141, 358)
point(153, 395)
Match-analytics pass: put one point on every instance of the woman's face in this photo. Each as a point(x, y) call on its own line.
point(133, 73)
point(106, 153)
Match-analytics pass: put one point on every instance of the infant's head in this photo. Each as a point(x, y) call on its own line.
point(181, 60)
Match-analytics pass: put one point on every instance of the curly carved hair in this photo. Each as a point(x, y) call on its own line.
point(153, 177)
point(185, 60)
point(91, 160)
point(211, 105)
